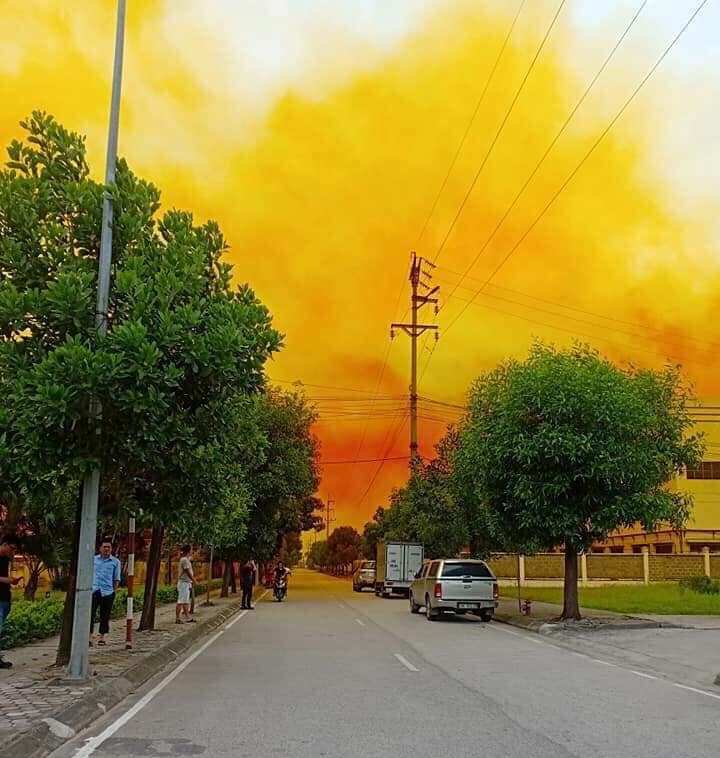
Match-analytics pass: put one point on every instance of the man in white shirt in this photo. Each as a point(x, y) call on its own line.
point(186, 580)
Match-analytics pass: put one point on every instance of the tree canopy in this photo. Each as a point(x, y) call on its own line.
point(565, 447)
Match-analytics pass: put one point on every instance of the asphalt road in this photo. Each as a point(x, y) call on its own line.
point(332, 673)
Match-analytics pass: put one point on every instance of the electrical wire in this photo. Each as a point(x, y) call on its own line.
point(500, 129)
point(554, 141)
point(585, 158)
point(468, 128)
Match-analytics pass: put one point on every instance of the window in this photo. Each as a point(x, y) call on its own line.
point(617, 549)
point(663, 547)
point(434, 566)
point(638, 548)
point(706, 470)
point(476, 569)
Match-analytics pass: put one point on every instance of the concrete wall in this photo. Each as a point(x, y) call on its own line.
point(615, 566)
point(672, 568)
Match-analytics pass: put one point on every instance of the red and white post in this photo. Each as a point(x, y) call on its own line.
point(130, 584)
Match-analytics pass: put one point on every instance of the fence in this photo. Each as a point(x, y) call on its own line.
point(634, 567)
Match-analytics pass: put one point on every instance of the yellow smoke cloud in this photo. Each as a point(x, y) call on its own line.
point(322, 174)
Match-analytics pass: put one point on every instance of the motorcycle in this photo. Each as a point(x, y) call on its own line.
point(280, 590)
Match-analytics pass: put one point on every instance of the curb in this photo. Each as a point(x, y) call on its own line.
point(55, 730)
point(544, 627)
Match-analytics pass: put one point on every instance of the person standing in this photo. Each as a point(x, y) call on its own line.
point(8, 548)
point(106, 579)
point(247, 581)
point(186, 581)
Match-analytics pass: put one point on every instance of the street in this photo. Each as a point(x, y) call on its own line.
point(334, 673)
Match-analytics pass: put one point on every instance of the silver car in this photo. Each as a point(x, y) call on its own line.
point(364, 576)
point(455, 585)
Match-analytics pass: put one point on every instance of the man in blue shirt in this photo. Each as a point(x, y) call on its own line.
point(106, 578)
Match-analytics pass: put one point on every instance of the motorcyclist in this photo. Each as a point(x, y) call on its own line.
point(281, 574)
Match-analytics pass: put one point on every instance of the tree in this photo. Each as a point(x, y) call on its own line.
point(182, 340)
point(319, 555)
point(566, 447)
point(291, 550)
point(283, 475)
point(344, 546)
point(373, 532)
point(425, 509)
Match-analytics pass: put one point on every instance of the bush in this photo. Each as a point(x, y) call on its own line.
point(703, 584)
point(38, 619)
point(32, 620)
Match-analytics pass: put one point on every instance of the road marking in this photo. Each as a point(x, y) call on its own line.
point(405, 662)
point(643, 674)
point(359, 621)
point(95, 742)
point(537, 642)
point(605, 663)
point(579, 655)
point(695, 689)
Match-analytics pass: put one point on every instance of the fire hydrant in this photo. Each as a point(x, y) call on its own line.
point(526, 607)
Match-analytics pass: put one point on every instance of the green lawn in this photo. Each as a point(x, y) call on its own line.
point(629, 598)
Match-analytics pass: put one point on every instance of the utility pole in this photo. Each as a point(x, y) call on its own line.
point(420, 278)
point(78, 665)
point(329, 516)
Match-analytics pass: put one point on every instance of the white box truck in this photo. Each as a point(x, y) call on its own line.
point(396, 566)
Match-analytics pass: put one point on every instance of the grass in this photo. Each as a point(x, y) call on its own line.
point(668, 599)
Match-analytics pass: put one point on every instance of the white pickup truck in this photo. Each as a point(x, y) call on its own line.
point(457, 585)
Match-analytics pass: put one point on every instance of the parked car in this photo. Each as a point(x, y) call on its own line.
point(455, 585)
point(364, 576)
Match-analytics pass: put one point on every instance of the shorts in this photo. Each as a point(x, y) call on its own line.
point(183, 589)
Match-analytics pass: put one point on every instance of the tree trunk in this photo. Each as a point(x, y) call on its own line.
point(226, 579)
point(152, 577)
point(63, 652)
point(233, 578)
point(31, 585)
point(571, 607)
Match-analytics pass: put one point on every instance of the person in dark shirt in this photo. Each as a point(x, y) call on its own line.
point(8, 548)
point(247, 580)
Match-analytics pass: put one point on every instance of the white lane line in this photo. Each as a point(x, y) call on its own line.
point(234, 621)
point(605, 663)
point(579, 655)
point(537, 642)
point(95, 742)
point(643, 674)
point(360, 621)
point(695, 689)
point(405, 662)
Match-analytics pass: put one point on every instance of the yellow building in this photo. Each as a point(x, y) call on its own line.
point(703, 483)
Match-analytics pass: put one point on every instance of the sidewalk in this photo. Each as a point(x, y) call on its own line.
point(678, 648)
point(32, 691)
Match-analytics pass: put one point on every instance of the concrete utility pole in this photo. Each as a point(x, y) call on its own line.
point(418, 277)
point(329, 516)
point(129, 614)
point(78, 666)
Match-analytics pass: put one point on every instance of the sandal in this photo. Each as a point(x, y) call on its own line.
point(101, 643)
point(177, 621)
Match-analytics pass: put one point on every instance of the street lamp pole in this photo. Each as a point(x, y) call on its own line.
point(78, 665)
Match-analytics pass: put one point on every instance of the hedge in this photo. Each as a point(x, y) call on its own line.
point(32, 620)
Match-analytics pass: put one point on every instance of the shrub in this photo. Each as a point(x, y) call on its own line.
point(703, 584)
point(38, 619)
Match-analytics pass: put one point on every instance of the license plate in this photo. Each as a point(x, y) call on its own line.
point(467, 605)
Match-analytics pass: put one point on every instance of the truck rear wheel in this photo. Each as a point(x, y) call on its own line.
point(430, 613)
point(414, 607)
point(486, 616)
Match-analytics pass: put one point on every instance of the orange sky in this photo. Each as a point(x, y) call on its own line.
point(319, 143)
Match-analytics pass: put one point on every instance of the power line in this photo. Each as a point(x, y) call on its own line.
point(500, 130)
point(554, 141)
point(382, 462)
point(583, 311)
point(469, 126)
point(584, 159)
point(366, 460)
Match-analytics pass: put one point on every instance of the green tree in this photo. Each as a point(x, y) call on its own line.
point(565, 447)
point(425, 509)
point(182, 340)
